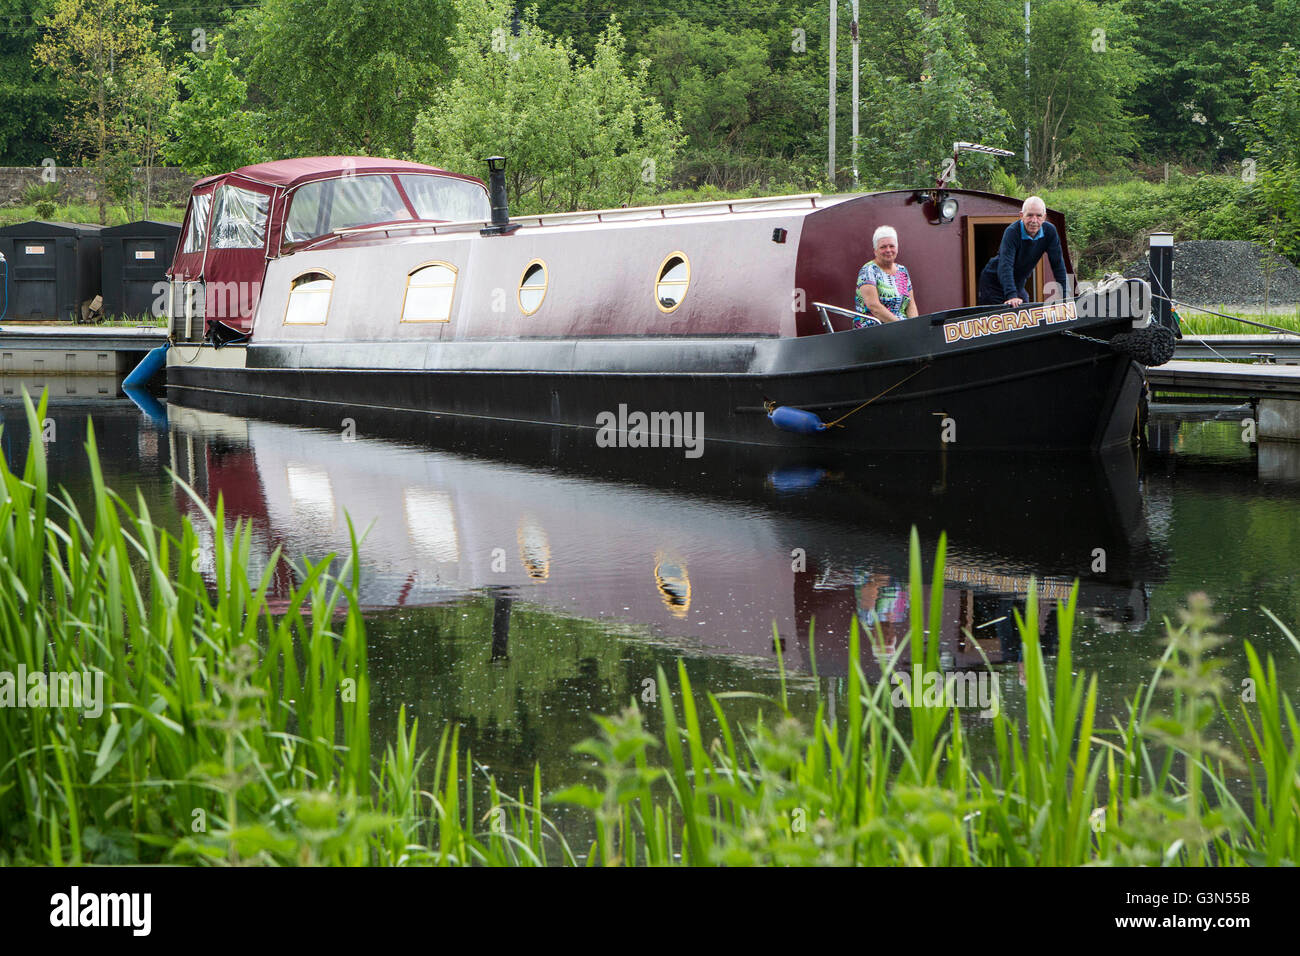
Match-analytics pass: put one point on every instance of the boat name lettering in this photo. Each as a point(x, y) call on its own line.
point(1009, 322)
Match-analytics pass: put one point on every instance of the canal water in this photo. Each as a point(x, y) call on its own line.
point(517, 584)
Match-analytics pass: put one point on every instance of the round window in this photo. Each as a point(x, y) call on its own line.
point(674, 277)
point(532, 288)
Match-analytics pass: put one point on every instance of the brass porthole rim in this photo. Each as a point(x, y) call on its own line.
point(546, 285)
point(659, 278)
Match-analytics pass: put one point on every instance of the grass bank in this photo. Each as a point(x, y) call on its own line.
point(88, 212)
point(226, 734)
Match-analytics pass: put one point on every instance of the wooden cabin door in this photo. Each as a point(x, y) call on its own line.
point(981, 236)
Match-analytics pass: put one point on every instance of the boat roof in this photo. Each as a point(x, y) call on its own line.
point(293, 172)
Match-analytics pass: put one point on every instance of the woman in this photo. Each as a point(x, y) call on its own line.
point(885, 288)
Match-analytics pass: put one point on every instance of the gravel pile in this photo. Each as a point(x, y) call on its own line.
point(1211, 271)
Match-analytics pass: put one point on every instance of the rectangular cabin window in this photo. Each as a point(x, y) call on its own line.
point(429, 291)
point(322, 207)
point(447, 199)
point(196, 233)
point(239, 221)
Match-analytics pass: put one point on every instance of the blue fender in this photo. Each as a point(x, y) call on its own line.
point(149, 366)
point(796, 420)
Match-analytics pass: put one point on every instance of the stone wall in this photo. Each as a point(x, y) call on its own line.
point(170, 185)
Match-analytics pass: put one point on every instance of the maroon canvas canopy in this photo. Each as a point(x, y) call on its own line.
point(236, 221)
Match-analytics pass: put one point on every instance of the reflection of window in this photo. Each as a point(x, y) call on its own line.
point(330, 204)
point(309, 299)
point(532, 288)
point(674, 277)
point(429, 291)
point(239, 220)
point(196, 233)
point(441, 197)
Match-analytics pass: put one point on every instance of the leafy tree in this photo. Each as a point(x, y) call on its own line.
point(1274, 136)
point(578, 133)
point(342, 76)
point(1082, 67)
point(30, 108)
point(101, 52)
point(928, 94)
point(1196, 85)
point(213, 131)
point(150, 88)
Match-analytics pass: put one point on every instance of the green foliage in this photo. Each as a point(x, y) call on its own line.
point(342, 76)
point(916, 107)
point(212, 130)
point(229, 735)
point(1274, 133)
point(577, 133)
point(30, 108)
point(1108, 225)
point(105, 55)
point(1196, 80)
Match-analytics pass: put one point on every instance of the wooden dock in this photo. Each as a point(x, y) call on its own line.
point(1226, 378)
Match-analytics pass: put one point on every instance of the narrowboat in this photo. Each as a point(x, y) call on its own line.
point(364, 284)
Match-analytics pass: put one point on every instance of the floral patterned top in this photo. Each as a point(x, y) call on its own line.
point(894, 290)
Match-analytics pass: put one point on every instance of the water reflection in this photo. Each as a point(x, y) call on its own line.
point(723, 555)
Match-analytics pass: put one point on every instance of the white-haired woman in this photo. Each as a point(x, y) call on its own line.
point(885, 288)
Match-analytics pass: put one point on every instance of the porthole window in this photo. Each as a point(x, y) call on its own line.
point(429, 291)
point(674, 277)
point(532, 287)
point(309, 299)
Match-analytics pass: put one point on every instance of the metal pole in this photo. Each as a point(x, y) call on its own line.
point(834, 27)
point(1027, 121)
point(854, 33)
point(1160, 255)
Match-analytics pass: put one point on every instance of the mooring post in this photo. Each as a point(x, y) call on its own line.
point(1160, 253)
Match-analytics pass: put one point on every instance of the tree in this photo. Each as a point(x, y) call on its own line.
point(150, 91)
point(1196, 86)
point(342, 76)
point(1082, 67)
point(101, 52)
point(30, 108)
point(212, 130)
point(1274, 135)
point(577, 133)
point(923, 95)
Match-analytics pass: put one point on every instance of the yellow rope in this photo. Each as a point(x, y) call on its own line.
point(881, 395)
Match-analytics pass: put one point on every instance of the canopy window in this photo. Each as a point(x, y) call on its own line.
point(328, 205)
point(239, 220)
point(196, 233)
point(446, 199)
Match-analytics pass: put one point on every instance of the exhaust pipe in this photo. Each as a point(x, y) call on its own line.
point(501, 224)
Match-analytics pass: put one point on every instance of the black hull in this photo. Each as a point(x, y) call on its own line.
point(1061, 394)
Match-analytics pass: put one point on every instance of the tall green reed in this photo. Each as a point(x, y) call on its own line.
point(238, 733)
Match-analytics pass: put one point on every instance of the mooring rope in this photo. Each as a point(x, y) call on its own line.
point(881, 395)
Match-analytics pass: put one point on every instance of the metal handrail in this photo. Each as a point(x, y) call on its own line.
point(822, 308)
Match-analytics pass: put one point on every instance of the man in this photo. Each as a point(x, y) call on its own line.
point(1003, 280)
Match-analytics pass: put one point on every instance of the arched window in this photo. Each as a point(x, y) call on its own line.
point(674, 278)
point(309, 299)
point(532, 287)
point(429, 291)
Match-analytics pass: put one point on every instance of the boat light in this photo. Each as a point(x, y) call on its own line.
point(947, 209)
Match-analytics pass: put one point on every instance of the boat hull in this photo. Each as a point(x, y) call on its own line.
point(1034, 392)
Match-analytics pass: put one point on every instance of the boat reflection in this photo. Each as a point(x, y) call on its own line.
point(713, 555)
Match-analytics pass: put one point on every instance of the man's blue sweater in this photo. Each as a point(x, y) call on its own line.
point(1018, 255)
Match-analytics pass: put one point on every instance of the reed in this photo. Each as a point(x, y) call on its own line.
point(232, 736)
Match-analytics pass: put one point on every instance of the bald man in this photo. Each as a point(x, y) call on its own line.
point(1003, 280)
